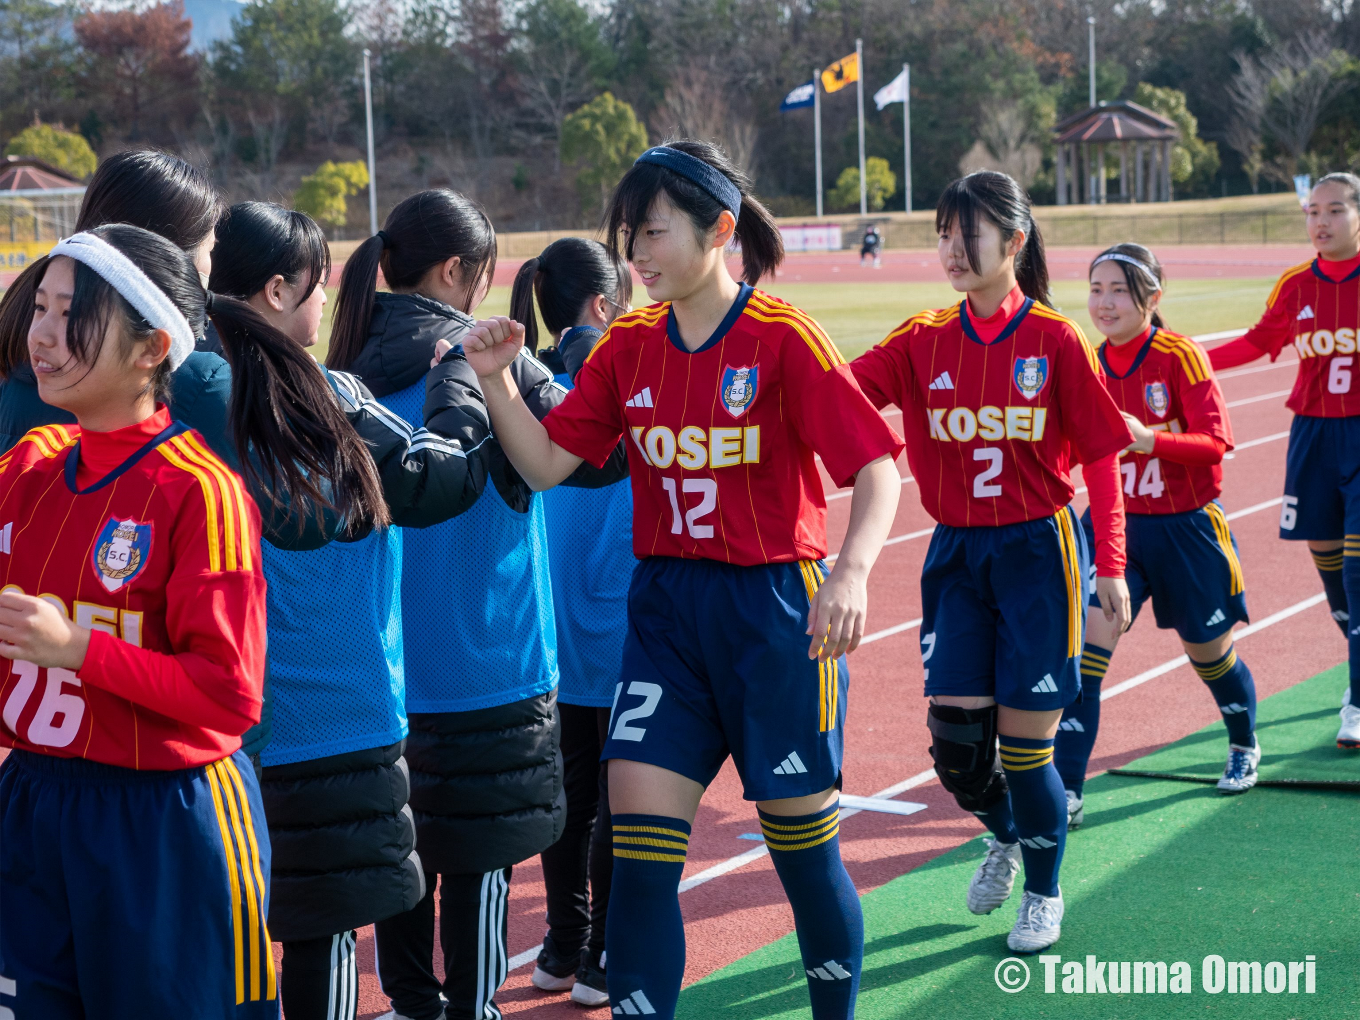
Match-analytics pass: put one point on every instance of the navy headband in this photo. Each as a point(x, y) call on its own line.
point(698, 172)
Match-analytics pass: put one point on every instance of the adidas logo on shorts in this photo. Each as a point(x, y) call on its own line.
point(1072, 726)
point(1307, 312)
point(1218, 617)
point(643, 399)
point(634, 1005)
point(829, 971)
point(1038, 843)
point(942, 382)
point(1046, 686)
point(790, 766)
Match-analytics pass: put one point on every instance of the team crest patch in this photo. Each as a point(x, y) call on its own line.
point(121, 552)
point(738, 389)
point(1030, 376)
point(1157, 397)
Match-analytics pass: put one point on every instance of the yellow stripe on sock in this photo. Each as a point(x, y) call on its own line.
point(802, 826)
point(817, 841)
point(1209, 672)
point(639, 855)
point(657, 830)
point(817, 830)
point(664, 844)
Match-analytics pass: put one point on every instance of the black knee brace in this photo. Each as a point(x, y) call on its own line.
point(964, 749)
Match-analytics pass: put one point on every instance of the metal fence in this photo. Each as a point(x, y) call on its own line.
point(1276, 226)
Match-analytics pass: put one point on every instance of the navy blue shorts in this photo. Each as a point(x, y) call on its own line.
point(1321, 480)
point(1187, 564)
point(133, 894)
point(715, 663)
point(1004, 611)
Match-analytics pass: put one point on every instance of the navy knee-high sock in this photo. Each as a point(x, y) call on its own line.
point(1350, 576)
point(644, 933)
point(1329, 569)
point(1081, 721)
point(1234, 689)
point(1000, 819)
point(1040, 809)
point(806, 852)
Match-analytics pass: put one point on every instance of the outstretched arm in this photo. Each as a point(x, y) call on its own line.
point(491, 347)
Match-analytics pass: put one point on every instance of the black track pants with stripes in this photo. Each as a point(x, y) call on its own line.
point(321, 979)
point(472, 923)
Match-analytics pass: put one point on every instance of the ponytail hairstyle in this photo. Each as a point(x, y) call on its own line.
point(1004, 203)
point(762, 248)
point(149, 189)
point(564, 277)
point(257, 241)
point(424, 230)
point(294, 440)
point(1142, 273)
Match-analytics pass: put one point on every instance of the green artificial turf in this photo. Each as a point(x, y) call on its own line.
point(1167, 871)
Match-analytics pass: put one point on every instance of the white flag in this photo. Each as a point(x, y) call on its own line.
point(893, 92)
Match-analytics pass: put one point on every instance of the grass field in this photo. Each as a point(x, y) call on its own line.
point(858, 315)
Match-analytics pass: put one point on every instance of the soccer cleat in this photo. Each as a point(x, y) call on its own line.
point(995, 877)
point(1076, 810)
point(1039, 923)
point(556, 971)
point(1239, 775)
point(1349, 734)
point(590, 988)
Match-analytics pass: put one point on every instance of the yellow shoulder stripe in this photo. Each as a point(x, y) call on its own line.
point(804, 324)
point(218, 502)
point(932, 318)
point(233, 496)
point(822, 348)
point(1044, 312)
point(1193, 361)
point(648, 316)
point(1285, 277)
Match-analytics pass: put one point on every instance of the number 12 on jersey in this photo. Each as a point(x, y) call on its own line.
point(707, 488)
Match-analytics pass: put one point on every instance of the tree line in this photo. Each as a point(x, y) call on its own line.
point(495, 97)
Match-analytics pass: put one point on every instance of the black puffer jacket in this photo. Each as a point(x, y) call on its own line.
point(486, 784)
point(343, 843)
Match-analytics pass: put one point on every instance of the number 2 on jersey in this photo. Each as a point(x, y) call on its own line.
point(707, 488)
point(1150, 484)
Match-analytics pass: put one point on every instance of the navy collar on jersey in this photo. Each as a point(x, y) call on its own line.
point(576, 333)
point(729, 320)
point(1317, 271)
point(1142, 354)
point(1011, 326)
point(73, 459)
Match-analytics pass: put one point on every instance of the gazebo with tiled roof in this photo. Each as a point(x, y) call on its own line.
point(38, 205)
point(1142, 136)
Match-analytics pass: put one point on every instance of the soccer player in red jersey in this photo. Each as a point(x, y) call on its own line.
point(1316, 307)
point(1181, 551)
point(724, 394)
point(133, 854)
point(999, 394)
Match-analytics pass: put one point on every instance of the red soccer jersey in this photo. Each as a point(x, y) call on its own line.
point(722, 438)
point(1169, 388)
point(161, 560)
point(990, 427)
point(1320, 317)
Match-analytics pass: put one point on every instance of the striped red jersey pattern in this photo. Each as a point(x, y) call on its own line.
point(1321, 318)
point(991, 428)
point(721, 439)
point(161, 561)
point(1169, 388)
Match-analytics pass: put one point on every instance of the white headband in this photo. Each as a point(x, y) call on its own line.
point(123, 275)
point(1121, 257)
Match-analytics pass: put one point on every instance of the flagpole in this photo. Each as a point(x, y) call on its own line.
point(817, 130)
point(859, 95)
point(906, 133)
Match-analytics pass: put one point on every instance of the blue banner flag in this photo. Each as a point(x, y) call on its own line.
point(804, 95)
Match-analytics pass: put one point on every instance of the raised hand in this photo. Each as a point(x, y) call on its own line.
point(492, 345)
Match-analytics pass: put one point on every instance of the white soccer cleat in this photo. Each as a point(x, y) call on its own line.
point(1039, 923)
point(995, 877)
point(1239, 774)
point(1076, 810)
point(1349, 734)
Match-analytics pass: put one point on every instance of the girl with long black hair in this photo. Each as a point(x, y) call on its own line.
point(133, 855)
point(722, 394)
point(580, 289)
point(998, 394)
point(334, 783)
point(481, 697)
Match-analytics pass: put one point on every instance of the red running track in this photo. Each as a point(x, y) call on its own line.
point(886, 738)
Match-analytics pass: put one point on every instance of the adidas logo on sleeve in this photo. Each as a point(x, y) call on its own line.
point(790, 766)
point(942, 382)
point(1046, 686)
point(642, 399)
point(634, 1005)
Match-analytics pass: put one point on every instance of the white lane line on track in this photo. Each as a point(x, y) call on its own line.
point(1233, 373)
point(1253, 509)
point(1263, 396)
point(1259, 442)
point(1227, 334)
